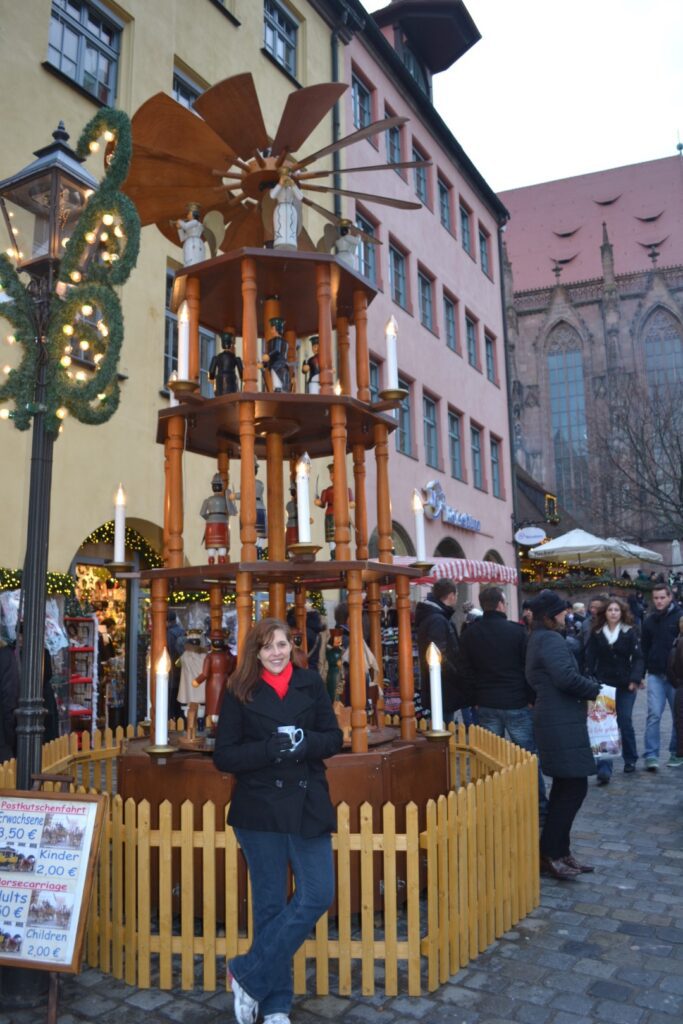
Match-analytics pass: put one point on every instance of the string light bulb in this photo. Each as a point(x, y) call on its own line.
point(68, 330)
point(10, 339)
point(86, 310)
point(118, 231)
point(81, 375)
point(4, 414)
point(84, 345)
point(94, 146)
point(75, 276)
point(102, 328)
point(109, 136)
point(90, 237)
point(65, 361)
point(108, 219)
point(62, 412)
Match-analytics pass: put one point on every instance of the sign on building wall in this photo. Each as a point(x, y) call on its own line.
point(436, 506)
point(48, 846)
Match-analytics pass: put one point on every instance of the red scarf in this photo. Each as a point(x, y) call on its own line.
point(280, 682)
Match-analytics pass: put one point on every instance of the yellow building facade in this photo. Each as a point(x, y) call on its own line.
point(61, 60)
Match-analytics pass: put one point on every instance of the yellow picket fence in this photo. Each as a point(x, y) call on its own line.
point(421, 902)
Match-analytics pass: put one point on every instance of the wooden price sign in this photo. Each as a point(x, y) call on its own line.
point(49, 843)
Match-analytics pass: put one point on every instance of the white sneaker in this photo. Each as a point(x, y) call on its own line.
point(276, 1018)
point(246, 1008)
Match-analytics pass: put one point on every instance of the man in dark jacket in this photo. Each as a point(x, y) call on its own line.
point(492, 657)
point(660, 629)
point(434, 624)
point(9, 698)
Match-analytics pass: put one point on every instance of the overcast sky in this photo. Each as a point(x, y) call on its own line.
point(556, 89)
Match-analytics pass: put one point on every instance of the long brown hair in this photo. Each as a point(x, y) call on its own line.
point(601, 617)
point(244, 679)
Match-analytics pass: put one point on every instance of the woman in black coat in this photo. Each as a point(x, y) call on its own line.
point(613, 654)
point(560, 730)
point(281, 810)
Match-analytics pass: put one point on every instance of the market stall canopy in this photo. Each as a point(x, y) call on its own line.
point(463, 570)
point(586, 549)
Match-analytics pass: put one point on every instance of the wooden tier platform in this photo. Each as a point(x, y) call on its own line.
point(302, 421)
point(400, 772)
point(310, 575)
point(289, 275)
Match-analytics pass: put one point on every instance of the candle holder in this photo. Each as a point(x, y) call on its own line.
point(119, 567)
point(436, 734)
point(146, 727)
point(425, 567)
point(303, 552)
point(161, 753)
point(393, 394)
point(182, 387)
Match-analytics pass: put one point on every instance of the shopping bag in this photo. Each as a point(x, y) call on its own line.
point(603, 731)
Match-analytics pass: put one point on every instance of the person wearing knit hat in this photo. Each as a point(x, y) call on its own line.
point(560, 730)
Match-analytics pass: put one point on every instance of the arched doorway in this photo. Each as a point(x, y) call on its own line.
point(401, 541)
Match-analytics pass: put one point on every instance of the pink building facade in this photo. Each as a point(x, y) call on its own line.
point(437, 271)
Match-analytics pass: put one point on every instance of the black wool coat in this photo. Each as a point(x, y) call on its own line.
point(285, 796)
point(560, 710)
point(616, 664)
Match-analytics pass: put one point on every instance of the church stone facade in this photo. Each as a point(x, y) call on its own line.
point(593, 274)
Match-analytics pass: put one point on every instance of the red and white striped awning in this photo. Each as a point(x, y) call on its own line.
point(464, 570)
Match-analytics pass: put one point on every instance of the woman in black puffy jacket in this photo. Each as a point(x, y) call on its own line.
point(560, 730)
point(613, 654)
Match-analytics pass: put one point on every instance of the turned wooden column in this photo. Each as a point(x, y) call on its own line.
point(276, 519)
point(271, 308)
point(192, 300)
point(406, 679)
point(173, 502)
point(374, 608)
point(247, 483)
point(342, 533)
point(383, 495)
point(249, 324)
point(343, 354)
point(216, 608)
point(361, 509)
point(360, 319)
point(167, 502)
point(323, 293)
point(300, 612)
point(357, 689)
point(290, 338)
point(159, 610)
point(243, 605)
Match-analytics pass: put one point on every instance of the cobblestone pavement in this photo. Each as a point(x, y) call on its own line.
point(605, 949)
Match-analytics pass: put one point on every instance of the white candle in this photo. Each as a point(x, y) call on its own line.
point(163, 667)
point(120, 526)
point(434, 662)
point(391, 335)
point(303, 507)
point(420, 542)
point(172, 400)
point(148, 668)
point(183, 342)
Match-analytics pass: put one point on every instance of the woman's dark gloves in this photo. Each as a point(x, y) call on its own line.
point(279, 748)
point(297, 753)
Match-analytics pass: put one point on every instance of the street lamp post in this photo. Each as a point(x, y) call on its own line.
point(70, 239)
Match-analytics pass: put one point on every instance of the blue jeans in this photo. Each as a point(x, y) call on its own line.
point(519, 724)
point(280, 927)
point(659, 692)
point(629, 750)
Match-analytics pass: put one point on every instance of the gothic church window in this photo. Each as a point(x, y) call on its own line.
point(567, 393)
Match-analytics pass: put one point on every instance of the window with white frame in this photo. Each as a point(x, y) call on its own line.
point(207, 345)
point(404, 434)
point(450, 323)
point(466, 228)
point(420, 177)
point(184, 90)
point(397, 276)
point(84, 43)
point(472, 347)
point(280, 30)
point(490, 353)
point(484, 251)
point(361, 100)
point(368, 252)
point(431, 435)
point(455, 445)
point(445, 204)
point(375, 387)
point(425, 297)
point(496, 482)
point(393, 143)
point(477, 470)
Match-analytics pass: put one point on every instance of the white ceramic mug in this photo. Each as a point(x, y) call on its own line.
point(295, 734)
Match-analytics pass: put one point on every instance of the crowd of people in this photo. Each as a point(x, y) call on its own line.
point(532, 680)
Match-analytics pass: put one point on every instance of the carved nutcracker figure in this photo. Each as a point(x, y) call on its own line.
point(274, 362)
point(218, 665)
point(216, 511)
point(226, 367)
point(311, 368)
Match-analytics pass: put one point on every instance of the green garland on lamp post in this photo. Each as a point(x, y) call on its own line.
point(68, 324)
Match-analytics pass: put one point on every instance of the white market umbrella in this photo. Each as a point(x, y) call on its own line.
point(577, 546)
point(634, 552)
